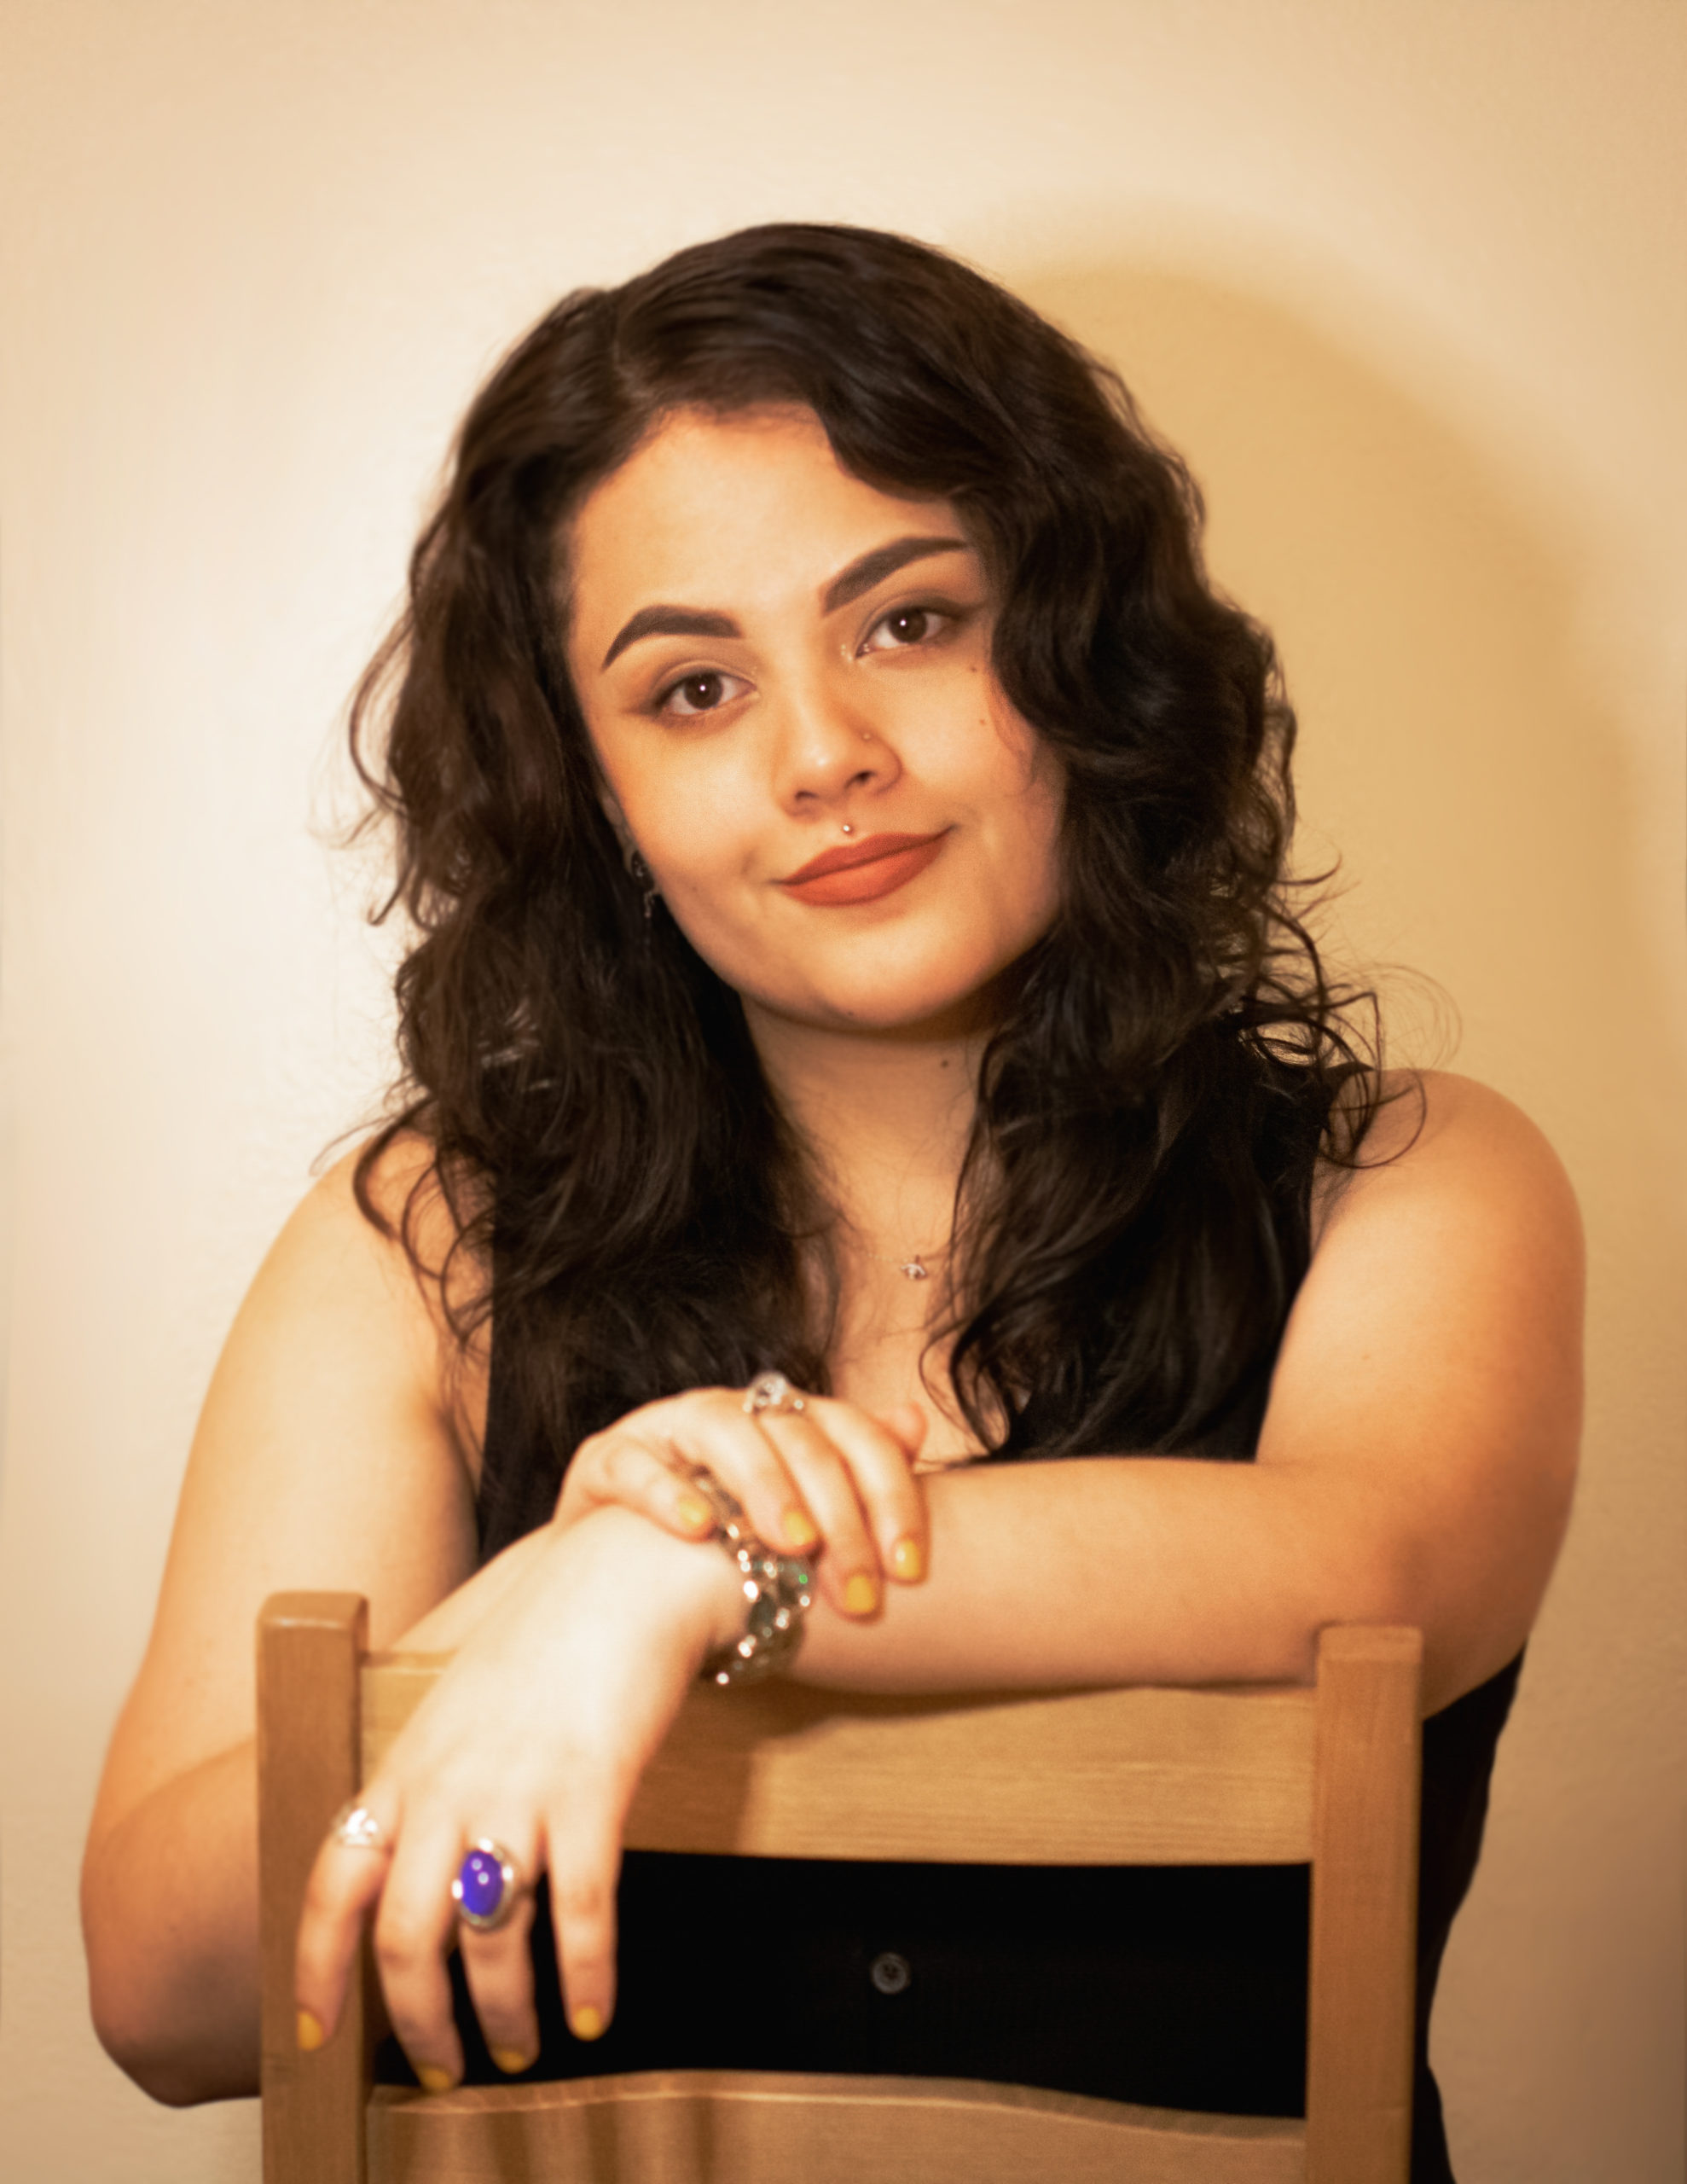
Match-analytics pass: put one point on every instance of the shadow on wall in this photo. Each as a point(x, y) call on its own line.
point(1452, 747)
point(1457, 750)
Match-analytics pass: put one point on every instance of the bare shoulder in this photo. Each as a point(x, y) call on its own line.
point(1441, 1140)
point(381, 1255)
point(1434, 1356)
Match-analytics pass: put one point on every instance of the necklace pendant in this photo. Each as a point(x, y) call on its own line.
point(914, 1269)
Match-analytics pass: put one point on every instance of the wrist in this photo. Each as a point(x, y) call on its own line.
point(688, 1584)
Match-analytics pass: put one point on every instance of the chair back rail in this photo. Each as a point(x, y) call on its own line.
point(1136, 1776)
point(1151, 1776)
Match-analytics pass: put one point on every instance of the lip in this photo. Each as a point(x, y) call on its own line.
point(860, 872)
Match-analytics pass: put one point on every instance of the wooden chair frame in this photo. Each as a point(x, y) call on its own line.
point(1232, 1776)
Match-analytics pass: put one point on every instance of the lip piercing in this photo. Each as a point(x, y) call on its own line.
point(847, 828)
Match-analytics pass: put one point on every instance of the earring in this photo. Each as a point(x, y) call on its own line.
point(641, 877)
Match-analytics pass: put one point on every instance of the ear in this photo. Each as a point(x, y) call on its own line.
point(617, 819)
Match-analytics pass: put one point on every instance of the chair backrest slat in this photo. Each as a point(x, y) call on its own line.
point(1149, 1776)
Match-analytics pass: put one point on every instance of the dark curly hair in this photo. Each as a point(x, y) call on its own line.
point(638, 1216)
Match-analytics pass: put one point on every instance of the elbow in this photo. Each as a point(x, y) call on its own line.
point(141, 2026)
point(172, 2070)
point(1398, 1575)
point(1367, 1574)
point(168, 2077)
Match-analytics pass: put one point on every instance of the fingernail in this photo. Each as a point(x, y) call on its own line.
point(860, 1595)
point(311, 2033)
point(510, 2060)
point(695, 1512)
point(798, 1529)
point(587, 2023)
point(907, 1559)
point(433, 2079)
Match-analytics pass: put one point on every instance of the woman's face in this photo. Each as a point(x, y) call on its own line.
point(787, 674)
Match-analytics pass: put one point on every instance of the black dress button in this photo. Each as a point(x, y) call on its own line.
point(890, 1973)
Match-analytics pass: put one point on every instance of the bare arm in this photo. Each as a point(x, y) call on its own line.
point(1415, 1465)
point(330, 1452)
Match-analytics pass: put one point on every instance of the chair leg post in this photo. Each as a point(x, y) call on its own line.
point(1364, 1908)
point(309, 1649)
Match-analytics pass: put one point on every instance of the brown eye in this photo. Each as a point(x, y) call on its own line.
point(700, 694)
point(905, 627)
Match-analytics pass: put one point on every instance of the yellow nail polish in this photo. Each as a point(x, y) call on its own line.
point(860, 1595)
point(907, 1559)
point(798, 1529)
point(695, 1513)
point(433, 2079)
point(510, 2060)
point(311, 2036)
point(587, 2023)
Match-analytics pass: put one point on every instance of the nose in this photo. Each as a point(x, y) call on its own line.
point(829, 750)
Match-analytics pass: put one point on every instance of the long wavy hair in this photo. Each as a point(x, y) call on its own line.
point(633, 1209)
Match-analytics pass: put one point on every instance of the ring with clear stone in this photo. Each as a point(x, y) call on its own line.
point(355, 1828)
point(772, 1392)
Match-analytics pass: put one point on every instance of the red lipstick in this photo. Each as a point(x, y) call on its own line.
point(860, 872)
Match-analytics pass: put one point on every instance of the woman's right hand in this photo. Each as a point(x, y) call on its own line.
point(534, 1737)
point(830, 1480)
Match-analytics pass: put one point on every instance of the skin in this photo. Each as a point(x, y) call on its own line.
point(1416, 1460)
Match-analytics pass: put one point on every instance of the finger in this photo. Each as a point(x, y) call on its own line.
point(585, 1865)
point(851, 1573)
point(880, 1459)
point(499, 1968)
point(414, 1926)
point(345, 1885)
point(638, 1470)
point(720, 1434)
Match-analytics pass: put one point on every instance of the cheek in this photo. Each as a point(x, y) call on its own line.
point(681, 812)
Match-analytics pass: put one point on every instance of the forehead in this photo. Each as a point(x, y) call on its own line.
point(719, 512)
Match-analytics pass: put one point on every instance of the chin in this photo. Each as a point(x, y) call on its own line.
point(886, 1007)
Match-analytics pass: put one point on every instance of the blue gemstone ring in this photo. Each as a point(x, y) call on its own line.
point(488, 1886)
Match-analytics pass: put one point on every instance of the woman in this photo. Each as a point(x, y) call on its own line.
point(846, 836)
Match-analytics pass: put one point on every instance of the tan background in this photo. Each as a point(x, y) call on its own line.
point(1405, 276)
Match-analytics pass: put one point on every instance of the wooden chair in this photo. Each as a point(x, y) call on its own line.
point(1126, 1777)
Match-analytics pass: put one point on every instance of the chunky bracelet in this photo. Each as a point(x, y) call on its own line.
point(777, 1587)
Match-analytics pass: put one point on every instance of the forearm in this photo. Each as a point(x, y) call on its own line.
point(1125, 1570)
point(170, 1916)
point(170, 1898)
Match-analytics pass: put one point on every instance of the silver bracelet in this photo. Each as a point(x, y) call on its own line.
point(778, 1588)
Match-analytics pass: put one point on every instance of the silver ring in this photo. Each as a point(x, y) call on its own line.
point(771, 1391)
point(355, 1828)
point(487, 1886)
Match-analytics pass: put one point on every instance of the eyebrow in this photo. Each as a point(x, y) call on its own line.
point(670, 622)
point(881, 562)
point(870, 568)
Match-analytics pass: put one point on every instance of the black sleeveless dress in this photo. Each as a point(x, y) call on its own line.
point(1180, 1987)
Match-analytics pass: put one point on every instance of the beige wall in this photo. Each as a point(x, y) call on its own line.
point(1405, 277)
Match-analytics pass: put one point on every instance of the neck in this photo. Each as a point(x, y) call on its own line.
point(885, 1117)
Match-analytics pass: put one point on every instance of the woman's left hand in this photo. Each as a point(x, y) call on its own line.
point(814, 1475)
point(533, 1738)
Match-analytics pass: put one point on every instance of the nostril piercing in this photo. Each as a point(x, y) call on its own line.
point(847, 828)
